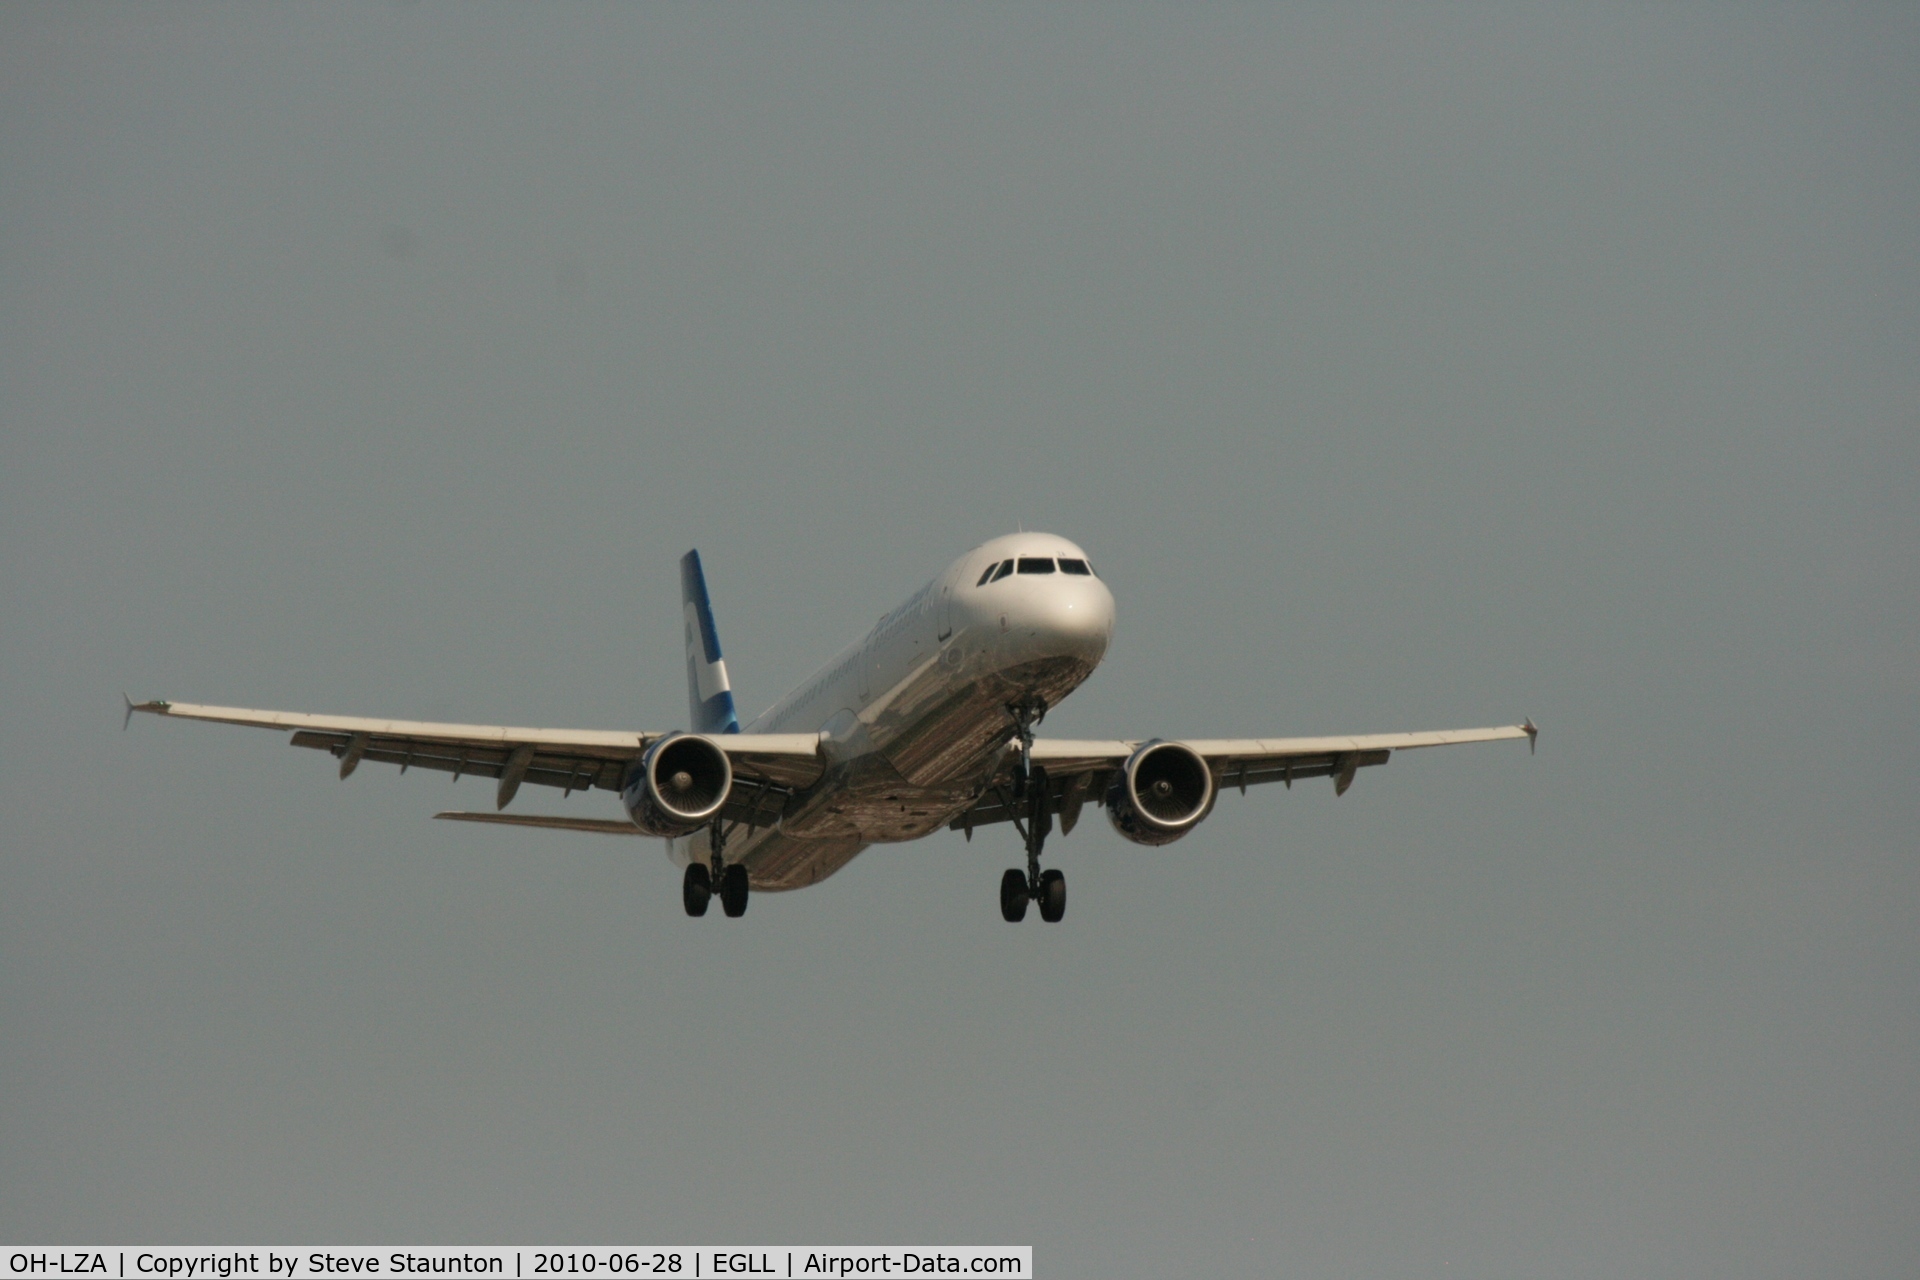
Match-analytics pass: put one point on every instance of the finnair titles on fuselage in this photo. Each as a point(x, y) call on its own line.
point(926, 722)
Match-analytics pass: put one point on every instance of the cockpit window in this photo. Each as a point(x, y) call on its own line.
point(1075, 566)
point(987, 573)
point(1036, 564)
point(1006, 567)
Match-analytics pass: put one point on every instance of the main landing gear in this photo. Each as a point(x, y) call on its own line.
point(697, 887)
point(1032, 792)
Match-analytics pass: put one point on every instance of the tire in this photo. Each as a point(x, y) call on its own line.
point(1053, 896)
point(733, 891)
point(1013, 896)
point(695, 889)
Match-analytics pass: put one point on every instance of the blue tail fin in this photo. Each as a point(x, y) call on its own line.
point(709, 696)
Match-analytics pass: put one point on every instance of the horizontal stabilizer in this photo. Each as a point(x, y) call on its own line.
point(602, 826)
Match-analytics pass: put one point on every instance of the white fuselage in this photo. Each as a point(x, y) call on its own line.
point(915, 716)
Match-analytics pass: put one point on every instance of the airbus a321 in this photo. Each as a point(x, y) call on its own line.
point(925, 723)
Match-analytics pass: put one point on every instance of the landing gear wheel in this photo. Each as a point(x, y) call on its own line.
point(1013, 896)
point(1053, 896)
point(695, 889)
point(733, 891)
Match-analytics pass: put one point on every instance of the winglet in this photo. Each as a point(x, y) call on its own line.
point(1533, 734)
point(158, 707)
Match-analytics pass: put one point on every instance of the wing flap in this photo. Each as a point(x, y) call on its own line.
point(789, 760)
point(599, 826)
point(569, 772)
point(1067, 791)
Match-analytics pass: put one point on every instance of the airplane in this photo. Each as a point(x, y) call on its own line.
point(926, 723)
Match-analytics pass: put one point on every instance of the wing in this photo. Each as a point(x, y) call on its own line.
point(1078, 768)
point(770, 765)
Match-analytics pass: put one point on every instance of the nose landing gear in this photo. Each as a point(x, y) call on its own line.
point(1031, 786)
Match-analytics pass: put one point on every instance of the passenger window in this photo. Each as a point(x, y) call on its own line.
point(1006, 567)
point(987, 573)
point(1075, 566)
point(1032, 564)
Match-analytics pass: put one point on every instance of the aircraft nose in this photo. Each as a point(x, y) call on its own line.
point(1063, 617)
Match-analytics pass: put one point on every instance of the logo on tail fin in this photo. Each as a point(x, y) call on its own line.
point(709, 696)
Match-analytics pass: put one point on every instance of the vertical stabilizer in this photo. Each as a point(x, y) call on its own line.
point(709, 696)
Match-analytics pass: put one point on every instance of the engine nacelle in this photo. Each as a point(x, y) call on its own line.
point(678, 785)
point(1161, 794)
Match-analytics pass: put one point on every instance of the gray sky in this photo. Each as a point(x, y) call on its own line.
point(1399, 370)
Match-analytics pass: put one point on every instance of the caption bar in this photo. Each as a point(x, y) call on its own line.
point(683, 1262)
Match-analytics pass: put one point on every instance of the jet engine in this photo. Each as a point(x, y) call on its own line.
point(678, 785)
point(1161, 793)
